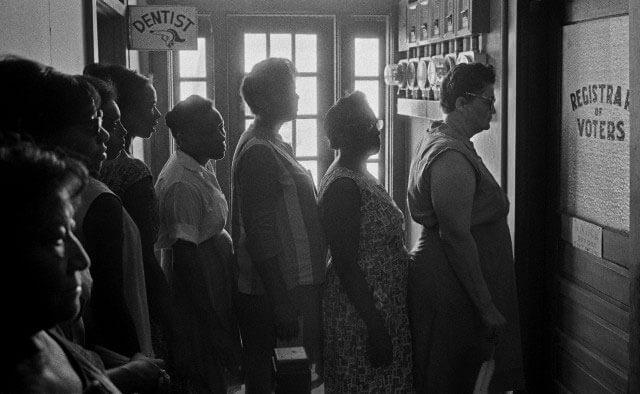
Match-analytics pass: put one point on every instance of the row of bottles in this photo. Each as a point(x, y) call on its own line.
point(420, 75)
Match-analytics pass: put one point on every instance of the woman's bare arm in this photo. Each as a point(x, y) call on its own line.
point(453, 185)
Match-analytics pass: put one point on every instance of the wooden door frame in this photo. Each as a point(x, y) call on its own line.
point(634, 173)
point(368, 26)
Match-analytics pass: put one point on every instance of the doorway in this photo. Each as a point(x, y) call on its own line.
point(308, 41)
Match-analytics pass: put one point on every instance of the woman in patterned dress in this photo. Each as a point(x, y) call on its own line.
point(130, 179)
point(367, 345)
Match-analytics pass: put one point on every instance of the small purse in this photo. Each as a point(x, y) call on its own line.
point(292, 370)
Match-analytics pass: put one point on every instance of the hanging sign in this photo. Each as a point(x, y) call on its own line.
point(162, 28)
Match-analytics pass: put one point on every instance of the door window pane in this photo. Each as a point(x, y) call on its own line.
point(367, 57)
point(370, 89)
point(190, 87)
point(306, 137)
point(280, 45)
point(306, 53)
point(312, 166)
point(255, 50)
point(306, 87)
point(247, 110)
point(372, 168)
point(286, 133)
point(192, 64)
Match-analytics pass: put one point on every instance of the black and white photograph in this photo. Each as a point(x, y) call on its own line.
point(320, 196)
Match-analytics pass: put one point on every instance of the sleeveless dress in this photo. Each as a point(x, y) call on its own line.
point(448, 335)
point(383, 258)
point(135, 291)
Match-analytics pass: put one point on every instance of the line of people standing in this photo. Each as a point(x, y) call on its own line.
point(166, 279)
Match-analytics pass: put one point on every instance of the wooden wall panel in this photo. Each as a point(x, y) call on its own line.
point(594, 332)
point(614, 314)
point(594, 364)
point(607, 279)
point(576, 379)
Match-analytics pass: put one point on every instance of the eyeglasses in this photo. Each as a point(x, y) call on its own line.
point(491, 101)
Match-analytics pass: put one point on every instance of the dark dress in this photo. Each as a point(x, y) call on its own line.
point(448, 339)
point(384, 260)
point(130, 179)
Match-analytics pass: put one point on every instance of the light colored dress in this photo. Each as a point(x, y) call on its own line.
point(384, 260)
point(194, 209)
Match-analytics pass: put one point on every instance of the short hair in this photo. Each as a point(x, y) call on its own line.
point(105, 89)
point(266, 80)
point(464, 78)
point(63, 100)
point(186, 111)
point(352, 109)
point(128, 83)
point(30, 177)
point(21, 82)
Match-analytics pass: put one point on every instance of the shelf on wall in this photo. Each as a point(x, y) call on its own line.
point(428, 109)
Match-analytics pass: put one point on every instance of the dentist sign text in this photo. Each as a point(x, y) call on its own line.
point(162, 28)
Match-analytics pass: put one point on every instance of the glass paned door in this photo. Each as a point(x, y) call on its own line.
point(307, 42)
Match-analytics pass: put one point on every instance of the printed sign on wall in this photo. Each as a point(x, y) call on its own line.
point(595, 122)
point(163, 28)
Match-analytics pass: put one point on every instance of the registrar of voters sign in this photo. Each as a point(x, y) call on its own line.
point(162, 28)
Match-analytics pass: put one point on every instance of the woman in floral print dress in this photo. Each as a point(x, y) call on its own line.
point(367, 345)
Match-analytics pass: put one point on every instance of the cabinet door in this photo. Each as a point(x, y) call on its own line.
point(403, 40)
point(449, 16)
point(435, 19)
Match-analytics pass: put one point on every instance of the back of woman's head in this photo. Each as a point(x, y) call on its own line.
point(21, 83)
point(345, 116)
point(105, 88)
point(31, 179)
point(128, 83)
point(186, 113)
point(62, 101)
point(266, 81)
point(462, 79)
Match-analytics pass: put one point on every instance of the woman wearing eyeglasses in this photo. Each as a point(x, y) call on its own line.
point(367, 345)
point(69, 119)
point(462, 293)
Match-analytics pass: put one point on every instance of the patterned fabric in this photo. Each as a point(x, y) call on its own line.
point(294, 234)
point(383, 258)
point(449, 338)
point(122, 172)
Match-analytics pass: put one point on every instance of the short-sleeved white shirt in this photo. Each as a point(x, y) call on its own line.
point(191, 205)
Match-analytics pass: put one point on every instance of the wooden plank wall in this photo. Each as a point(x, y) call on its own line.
point(591, 294)
point(592, 315)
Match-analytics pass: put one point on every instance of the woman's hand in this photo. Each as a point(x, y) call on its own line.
point(379, 346)
point(494, 322)
point(146, 375)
